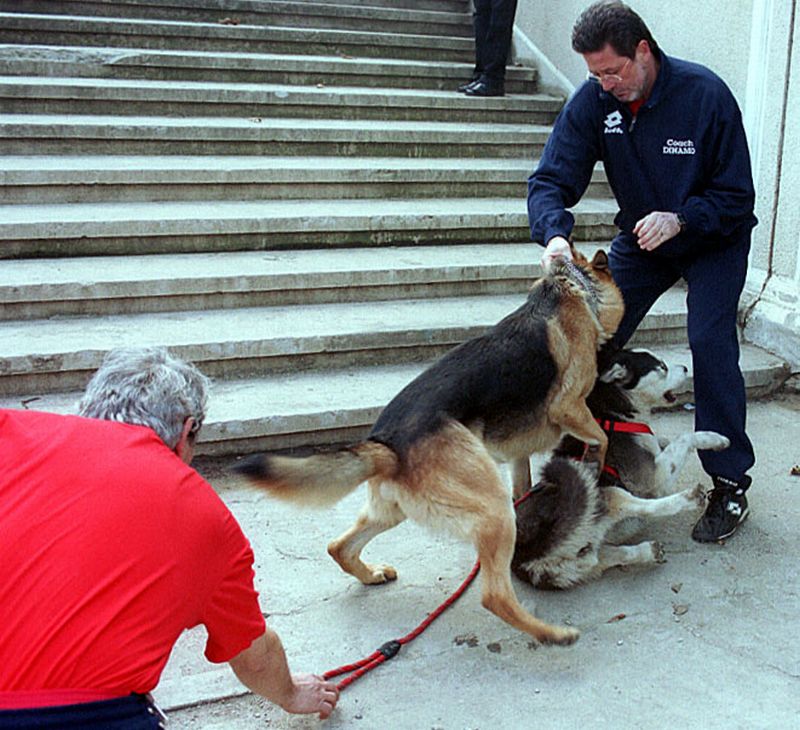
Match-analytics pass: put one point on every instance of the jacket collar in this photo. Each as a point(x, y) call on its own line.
point(662, 80)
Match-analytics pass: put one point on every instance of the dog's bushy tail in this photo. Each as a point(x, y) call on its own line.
point(321, 479)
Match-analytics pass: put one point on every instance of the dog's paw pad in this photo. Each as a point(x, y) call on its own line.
point(659, 554)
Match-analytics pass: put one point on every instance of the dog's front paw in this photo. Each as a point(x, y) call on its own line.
point(592, 460)
point(659, 555)
point(696, 496)
point(380, 574)
point(710, 440)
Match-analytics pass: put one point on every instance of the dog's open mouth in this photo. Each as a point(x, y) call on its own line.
point(670, 397)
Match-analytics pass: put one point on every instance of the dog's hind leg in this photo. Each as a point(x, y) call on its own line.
point(495, 543)
point(616, 556)
point(495, 535)
point(377, 516)
point(455, 484)
point(620, 503)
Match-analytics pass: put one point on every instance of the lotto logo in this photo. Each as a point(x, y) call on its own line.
point(612, 123)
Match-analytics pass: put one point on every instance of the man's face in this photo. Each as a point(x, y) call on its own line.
point(628, 79)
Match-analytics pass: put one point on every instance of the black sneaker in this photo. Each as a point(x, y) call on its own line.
point(726, 510)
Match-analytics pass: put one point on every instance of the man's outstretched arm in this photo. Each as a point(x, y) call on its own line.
point(263, 668)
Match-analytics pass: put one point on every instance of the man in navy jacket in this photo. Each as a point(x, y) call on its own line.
point(670, 136)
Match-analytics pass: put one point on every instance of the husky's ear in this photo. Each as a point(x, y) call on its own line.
point(600, 260)
point(617, 373)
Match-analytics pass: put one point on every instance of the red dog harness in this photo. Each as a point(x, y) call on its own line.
point(611, 426)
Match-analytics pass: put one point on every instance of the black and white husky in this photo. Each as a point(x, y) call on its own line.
point(568, 524)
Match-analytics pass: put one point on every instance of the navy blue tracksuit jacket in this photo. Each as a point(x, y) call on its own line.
point(686, 152)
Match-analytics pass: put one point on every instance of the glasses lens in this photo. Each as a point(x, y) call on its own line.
point(608, 78)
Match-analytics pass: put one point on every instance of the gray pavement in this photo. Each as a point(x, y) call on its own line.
point(708, 640)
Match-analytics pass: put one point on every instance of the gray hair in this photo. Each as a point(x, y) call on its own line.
point(147, 386)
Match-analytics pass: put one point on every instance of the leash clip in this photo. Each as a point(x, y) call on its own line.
point(390, 648)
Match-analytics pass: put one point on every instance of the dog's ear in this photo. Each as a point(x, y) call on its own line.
point(600, 260)
point(617, 373)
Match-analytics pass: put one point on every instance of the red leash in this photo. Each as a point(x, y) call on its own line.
point(391, 648)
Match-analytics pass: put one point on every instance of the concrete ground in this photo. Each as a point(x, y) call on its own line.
point(707, 640)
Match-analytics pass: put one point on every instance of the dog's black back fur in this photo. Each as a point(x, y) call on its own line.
point(502, 378)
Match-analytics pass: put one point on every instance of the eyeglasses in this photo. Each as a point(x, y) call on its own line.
point(608, 78)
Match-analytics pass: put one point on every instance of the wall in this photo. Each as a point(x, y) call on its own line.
point(751, 44)
point(772, 315)
point(683, 28)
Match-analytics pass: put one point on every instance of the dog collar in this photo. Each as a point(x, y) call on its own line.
point(610, 426)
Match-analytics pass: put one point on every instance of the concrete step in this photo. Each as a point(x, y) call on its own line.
point(262, 68)
point(43, 134)
point(306, 408)
point(42, 288)
point(448, 6)
point(39, 95)
point(60, 30)
point(45, 356)
point(280, 13)
point(455, 6)
point(185, 227)
point(90, 179)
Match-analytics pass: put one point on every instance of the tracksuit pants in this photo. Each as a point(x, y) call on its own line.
point(715, 280)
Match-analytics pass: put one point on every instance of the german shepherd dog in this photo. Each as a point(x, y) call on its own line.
point(566, 527)
point(431, 454)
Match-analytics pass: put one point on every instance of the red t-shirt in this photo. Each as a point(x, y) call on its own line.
point(110, 546)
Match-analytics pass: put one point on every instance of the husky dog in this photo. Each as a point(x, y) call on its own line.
point(566, 526)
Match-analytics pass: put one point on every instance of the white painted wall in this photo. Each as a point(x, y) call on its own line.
point(716, 34)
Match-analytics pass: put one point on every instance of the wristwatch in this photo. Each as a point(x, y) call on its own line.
point(681, 221)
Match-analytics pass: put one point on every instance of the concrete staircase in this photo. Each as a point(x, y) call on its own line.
point(288, 193)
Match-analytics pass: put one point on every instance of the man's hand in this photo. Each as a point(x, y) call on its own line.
point(312, 694)
point(557, 248)
point(262, 668)
point(655, 228)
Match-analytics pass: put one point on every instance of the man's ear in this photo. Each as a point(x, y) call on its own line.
point(185, 446)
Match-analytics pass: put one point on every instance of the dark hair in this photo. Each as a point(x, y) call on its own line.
point(610, 22)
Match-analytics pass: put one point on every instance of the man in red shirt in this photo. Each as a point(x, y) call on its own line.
point(112, 546)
